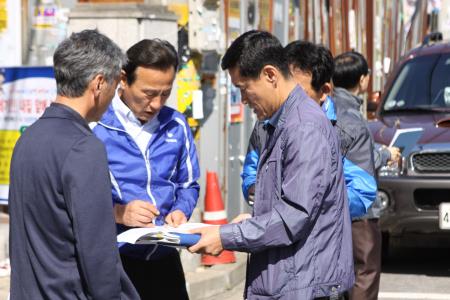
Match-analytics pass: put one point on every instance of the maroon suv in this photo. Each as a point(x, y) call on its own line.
point(417, 95)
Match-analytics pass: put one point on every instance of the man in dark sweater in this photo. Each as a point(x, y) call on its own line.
point(62, 233)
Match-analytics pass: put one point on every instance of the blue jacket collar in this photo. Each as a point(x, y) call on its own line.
point(329, 109)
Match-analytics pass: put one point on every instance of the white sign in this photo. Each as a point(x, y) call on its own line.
point(444, 215)
point(25, 92)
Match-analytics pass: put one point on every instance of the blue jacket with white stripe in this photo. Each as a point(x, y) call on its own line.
point(165, 175)
point(356, 148)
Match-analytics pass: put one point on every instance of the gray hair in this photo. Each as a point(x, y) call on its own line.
point(81, 57)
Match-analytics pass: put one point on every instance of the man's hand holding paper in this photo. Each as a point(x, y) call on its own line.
point(210, 242)
point(395, 155)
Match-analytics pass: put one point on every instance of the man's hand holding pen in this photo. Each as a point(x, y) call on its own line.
point(175, 218)
point(137, 213)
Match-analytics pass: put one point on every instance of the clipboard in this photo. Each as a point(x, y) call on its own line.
point(173, 239)
point(162, 235)
point(406, 139)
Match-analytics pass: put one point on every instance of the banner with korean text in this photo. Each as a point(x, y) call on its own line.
point(25, 92)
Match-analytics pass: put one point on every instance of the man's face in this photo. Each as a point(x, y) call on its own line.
point(149, 92)
point(259, 94)
point(304, 79)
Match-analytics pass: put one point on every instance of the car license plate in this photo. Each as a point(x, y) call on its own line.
point(444, 216)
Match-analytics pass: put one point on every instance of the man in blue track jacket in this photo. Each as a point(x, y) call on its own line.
point(153, 164)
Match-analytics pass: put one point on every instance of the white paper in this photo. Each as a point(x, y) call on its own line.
point(447, 96)
point(352, 28)
point(386, 64)
point(406, 140)
point(401, 131)
point(197, 104)
point(278, 12)
point(132, 235)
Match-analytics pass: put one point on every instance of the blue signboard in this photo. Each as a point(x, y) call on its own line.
point(25, 92)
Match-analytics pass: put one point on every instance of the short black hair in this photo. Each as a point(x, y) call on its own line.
point(348, 69)
point(252, 51)
point(155, 53)
point(313, 59)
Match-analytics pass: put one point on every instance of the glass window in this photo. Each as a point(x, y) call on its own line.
point(423, 82)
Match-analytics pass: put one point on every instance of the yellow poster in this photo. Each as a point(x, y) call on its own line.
point(234, 20)
point(8, 139)
point(3, 16)
point(182, 12)
point(188, 81)
point(235, 9)
point(265, 15)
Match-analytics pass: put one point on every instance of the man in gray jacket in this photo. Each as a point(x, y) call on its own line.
point(351, 78)
point(300, 234)
point(62, 233)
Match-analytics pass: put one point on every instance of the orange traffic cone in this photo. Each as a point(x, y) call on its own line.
point(215, 214)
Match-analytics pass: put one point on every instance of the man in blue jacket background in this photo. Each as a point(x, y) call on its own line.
point(153, 164)
point(312, 67)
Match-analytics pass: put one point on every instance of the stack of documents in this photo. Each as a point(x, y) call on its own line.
point(406, 140)
point(163, 235)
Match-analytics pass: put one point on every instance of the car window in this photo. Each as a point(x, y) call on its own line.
point(440, 85)
point(423, 82)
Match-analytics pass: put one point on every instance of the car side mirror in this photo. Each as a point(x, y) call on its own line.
point(372, 104)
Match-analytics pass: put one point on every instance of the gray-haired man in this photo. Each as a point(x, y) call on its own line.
point(62, 238)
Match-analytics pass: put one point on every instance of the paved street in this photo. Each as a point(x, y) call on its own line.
point(415, 274)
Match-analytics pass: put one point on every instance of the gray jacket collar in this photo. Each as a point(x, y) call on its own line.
point(346, 99)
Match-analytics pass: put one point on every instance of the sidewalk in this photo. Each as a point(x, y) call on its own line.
point(4, 287)
point(206, 282)
point(203, 283)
